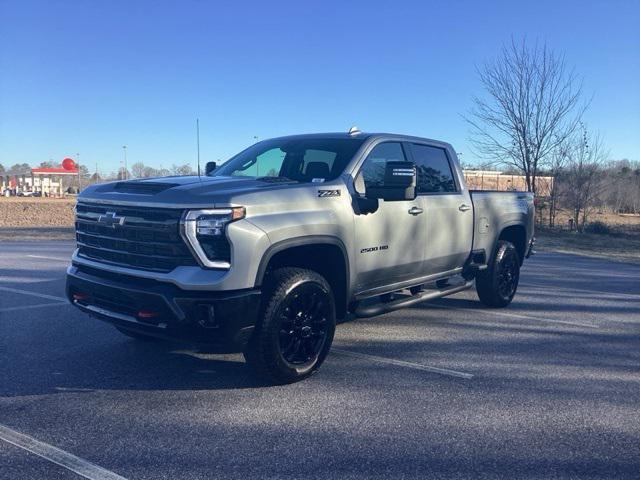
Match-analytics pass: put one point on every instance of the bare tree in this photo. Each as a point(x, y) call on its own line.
point(555, 166)
point(140, 170)
point(532, 105)
point(182, 169)
point(583, 179)
point(123, 174)
point(137, 169)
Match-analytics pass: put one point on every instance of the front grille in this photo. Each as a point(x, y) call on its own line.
point(147, 238)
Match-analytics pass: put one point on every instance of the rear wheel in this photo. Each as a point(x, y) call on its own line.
point(296, 326)
point(497, 284)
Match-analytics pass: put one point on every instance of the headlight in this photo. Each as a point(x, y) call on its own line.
point(205, 233)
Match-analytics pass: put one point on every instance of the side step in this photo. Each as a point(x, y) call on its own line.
point(380, 308)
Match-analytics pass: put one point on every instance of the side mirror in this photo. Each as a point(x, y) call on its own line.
point(209, 167)
point(399, 183)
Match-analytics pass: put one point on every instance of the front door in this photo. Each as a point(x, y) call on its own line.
point(389, 243)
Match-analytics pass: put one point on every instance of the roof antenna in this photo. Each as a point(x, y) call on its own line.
point(198, 145)
point(354, 131)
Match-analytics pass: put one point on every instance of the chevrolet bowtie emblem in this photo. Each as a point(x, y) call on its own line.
point(110, 219)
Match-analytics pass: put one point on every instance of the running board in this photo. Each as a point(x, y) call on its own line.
point(380, 308)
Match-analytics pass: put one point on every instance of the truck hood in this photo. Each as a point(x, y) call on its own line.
point(183, 191)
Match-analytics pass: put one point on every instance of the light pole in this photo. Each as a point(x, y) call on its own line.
point(124, 147)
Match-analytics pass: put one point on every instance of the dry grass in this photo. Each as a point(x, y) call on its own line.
point(623, 244)
point(621, 223)
point(621, 247)
point(24, 219)
point(17, 212)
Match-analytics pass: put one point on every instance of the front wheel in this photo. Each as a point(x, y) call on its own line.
point(497, 285)
point(296, 326)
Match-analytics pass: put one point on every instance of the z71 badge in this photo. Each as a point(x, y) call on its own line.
point(328, 193)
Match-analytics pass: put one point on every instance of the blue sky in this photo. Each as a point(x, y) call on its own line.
point(88, 77)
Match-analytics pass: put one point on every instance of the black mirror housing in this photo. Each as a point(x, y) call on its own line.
point(209, 167)
point(399, 183)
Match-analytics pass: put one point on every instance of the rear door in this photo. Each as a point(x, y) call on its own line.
point(388, 242)
point(448, 209)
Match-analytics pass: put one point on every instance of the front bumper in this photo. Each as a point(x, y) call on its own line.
point(222, 319)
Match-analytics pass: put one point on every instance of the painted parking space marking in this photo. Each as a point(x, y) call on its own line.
point(34, 294)
point(44, 257)
point(55, 455)
point(402, 363)
point(29, 307)
point(517, 315)
point(582, 290)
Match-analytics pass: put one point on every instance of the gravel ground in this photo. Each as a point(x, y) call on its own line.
point(551, 387)
point(21, 212)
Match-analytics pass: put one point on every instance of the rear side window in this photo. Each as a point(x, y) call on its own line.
point(374, 166)
point(434, 169)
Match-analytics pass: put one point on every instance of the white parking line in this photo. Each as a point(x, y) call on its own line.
point(35, 294)
point(55, 455)
point(29, 307)
point(582, 290)
point(517, 315)
point(66, 260)
point(402, 363)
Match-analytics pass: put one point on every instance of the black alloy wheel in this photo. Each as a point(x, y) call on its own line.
point(303, 323)
point(508, 276)
point(296, 326)
point(497, 284)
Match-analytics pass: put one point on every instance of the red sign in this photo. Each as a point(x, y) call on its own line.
point(68, 164)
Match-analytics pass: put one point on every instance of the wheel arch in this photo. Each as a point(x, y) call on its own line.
point(324, 254)
point(517, 234)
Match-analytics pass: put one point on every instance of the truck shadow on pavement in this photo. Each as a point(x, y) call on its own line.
point(106, 361)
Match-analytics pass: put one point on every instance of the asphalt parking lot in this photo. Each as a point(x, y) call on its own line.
point(547, 388)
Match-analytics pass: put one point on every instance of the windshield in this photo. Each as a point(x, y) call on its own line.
point(298, 159)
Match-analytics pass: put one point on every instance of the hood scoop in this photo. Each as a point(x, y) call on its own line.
point(143, 188)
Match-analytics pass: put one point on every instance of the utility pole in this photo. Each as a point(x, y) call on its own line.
point(198, 143)
point(124, 147)
point(78, 167)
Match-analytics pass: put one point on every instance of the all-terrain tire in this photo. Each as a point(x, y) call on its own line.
point(295, 328)
point(497, 285)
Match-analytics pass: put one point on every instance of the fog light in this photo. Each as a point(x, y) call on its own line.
point(79, 296)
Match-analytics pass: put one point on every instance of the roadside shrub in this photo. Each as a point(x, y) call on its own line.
point(598, 227)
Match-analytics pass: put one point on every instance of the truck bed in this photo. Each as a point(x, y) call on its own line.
point(496, 210)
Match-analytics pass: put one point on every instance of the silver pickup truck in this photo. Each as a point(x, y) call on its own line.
point(264, 253)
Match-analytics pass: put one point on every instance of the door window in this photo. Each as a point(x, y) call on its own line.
point(373, 169)
point(433, 168)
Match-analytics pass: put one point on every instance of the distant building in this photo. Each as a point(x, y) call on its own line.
point(494, 180)
point(45, 180)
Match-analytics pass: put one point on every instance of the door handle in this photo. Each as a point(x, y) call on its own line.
point(415, 211)
point(464, 207)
